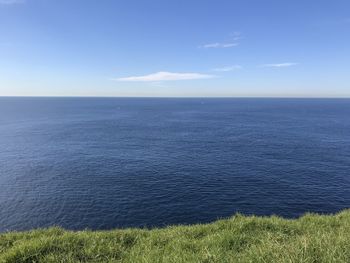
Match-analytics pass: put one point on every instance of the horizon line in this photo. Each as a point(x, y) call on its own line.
point(180, 97)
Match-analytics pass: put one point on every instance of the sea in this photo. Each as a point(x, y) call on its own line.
point(106, 163)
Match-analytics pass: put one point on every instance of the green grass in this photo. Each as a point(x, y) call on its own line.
point(311, 238)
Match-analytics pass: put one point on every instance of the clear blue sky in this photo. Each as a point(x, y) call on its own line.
point(297, 48)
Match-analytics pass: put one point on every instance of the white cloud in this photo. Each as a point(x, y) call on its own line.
point(228, 68)
point(279, 65)
point(219, 45)
point(166, 76)
point(236, 36)
point(233, 42)
point(11, 2)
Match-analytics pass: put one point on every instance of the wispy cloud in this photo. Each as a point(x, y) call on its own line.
point(11, 2)
point(233, 42)
point(219, 45)
point(227, 68)
point(235, 36)
point(165, 76)
point(279, 65)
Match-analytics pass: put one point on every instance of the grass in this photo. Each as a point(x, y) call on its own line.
point(311, 238)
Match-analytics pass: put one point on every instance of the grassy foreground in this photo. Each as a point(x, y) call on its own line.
point(311, 238)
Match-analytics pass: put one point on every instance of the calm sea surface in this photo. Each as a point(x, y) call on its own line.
point(106, 163)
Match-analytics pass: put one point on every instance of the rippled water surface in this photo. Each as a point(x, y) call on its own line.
point(105, 163)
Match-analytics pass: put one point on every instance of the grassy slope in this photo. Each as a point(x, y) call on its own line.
point(312, 238)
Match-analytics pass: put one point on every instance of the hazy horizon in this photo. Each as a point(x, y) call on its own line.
point(175, 97)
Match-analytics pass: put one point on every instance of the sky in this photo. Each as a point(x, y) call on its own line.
point(180, 48)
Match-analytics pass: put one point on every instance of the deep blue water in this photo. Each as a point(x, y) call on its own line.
point(105, 163)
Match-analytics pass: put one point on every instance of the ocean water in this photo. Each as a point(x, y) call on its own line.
point(104, 163)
